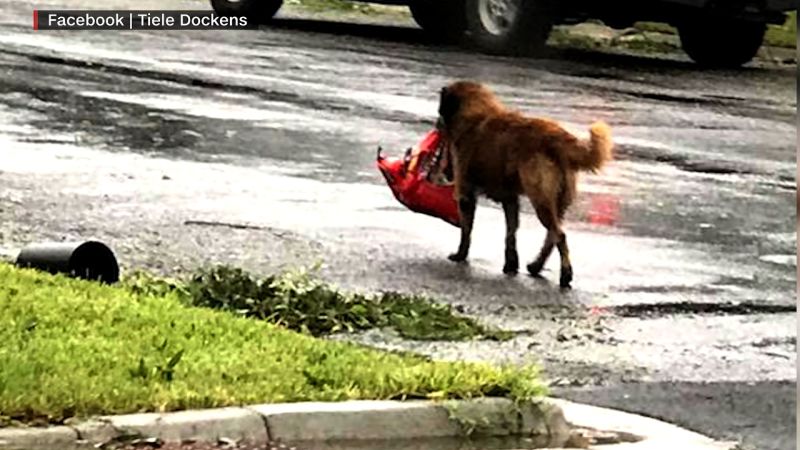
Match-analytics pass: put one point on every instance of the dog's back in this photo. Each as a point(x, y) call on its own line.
point(500, 145)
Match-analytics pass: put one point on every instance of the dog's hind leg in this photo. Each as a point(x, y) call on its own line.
point(467, 203)
point(555, 237)
point(567, 194)
point(533, 178)
point(565, 198)
point(511, 210)
point(542, 184)
point(547, 219)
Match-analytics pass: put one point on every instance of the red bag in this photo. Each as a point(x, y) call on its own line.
point(418, 181)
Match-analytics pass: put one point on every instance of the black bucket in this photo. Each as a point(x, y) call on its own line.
point(90, 260)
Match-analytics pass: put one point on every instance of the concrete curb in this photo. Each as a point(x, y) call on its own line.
point(643, 433)
point(551, 423)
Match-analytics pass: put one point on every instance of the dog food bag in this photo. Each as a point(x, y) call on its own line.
point(418, 179)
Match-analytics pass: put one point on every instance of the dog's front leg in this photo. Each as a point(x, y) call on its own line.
point(467, 202)
point(511, 210)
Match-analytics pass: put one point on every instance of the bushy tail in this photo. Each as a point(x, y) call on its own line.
point(591, 155)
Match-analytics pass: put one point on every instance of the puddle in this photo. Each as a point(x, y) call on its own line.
point(671, 309)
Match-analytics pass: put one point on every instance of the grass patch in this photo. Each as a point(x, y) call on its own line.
point(562, 37)
point(333, 5)
point(777, 35)
point(783, 35)
point(73, 348)
point(299, 301)
point(642, 43)
point(638, 41)
point(655, 27)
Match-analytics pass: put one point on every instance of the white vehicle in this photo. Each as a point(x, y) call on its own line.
point(715, 33)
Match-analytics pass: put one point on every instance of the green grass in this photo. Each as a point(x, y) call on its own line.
point(655, 27)
point(74, 348)
point(783, 35)
point(334, 5)
point(642, 43)
point(777, 35)
point(564, 38)
point(561, 37)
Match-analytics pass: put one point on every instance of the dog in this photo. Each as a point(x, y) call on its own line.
point(502, 154)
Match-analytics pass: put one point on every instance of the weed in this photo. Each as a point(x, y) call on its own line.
point(299, 301)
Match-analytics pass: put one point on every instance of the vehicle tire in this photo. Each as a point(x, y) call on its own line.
point(442, 19)
point(721, 43)
point(259, 11)
point(515, 27)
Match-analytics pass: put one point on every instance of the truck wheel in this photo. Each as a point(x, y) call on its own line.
point(518, 27)
point(443, 19)
point(259, 11)
point(721, 43)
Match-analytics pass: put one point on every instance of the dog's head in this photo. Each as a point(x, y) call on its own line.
point(464, 98)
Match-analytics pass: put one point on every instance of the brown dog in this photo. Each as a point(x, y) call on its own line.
point(502, 154)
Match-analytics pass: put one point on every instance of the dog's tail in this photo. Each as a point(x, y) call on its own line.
point(592, 154)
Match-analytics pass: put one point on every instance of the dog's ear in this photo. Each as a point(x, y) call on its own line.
point(449, 104)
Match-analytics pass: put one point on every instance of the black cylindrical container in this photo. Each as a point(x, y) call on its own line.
point(90, 260)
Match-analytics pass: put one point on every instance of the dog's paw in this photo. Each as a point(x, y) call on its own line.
point(512, 264)
point(457, 257)
point(566, 277)
point(535, 268)
point(510, 269)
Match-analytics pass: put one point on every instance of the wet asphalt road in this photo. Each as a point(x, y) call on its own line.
point(257, 148)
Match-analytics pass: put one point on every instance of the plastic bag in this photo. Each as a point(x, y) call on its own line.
point(419, 181)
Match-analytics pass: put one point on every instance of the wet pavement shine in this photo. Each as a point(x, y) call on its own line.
point(257, 148)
